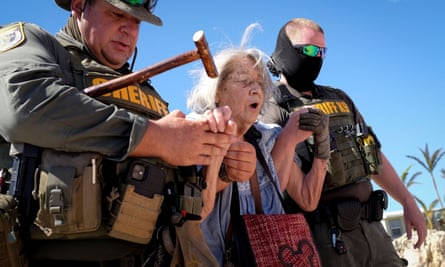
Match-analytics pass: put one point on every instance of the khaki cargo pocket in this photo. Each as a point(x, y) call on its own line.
point(69, 195)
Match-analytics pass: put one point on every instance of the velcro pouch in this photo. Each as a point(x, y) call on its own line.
point(137, 211)
point(69, 196)
point(348, 214)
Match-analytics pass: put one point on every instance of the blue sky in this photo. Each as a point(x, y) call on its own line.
point(387, 54)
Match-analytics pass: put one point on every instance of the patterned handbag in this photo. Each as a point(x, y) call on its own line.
point(281, 240)
point(268, 240)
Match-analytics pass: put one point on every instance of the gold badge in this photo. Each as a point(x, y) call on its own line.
point(11, 36)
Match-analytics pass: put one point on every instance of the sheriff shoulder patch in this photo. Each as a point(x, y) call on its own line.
point(11, 36)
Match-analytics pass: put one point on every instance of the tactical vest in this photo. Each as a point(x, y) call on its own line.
point(124, 186)
point(354, 149)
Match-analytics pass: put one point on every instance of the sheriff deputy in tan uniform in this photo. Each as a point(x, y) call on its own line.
point(106, 170)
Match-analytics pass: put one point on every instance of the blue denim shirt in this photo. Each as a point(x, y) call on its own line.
point(214, 227)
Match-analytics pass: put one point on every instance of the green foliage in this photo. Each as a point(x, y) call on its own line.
point(428, 211)
point(411, 180)
point(429, 163)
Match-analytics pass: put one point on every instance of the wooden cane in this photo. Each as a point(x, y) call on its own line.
point(202, 51)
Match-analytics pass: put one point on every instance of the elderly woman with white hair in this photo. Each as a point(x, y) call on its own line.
point(243, 85)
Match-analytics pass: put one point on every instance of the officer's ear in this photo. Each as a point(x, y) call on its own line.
point(77, 7)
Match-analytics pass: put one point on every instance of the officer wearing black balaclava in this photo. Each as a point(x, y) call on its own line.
point(347, 194)
point(299, 69)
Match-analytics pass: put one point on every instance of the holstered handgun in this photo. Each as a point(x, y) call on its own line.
point(22, 184)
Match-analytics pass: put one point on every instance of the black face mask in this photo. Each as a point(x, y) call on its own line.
point(300, 70)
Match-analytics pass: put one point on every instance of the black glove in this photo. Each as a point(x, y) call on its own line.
point(316, 121)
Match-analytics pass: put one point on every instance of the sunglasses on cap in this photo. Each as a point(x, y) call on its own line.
point(150, 4)
point(311, 50)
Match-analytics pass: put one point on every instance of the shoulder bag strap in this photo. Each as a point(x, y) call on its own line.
point(251, 137)
point(255, 187)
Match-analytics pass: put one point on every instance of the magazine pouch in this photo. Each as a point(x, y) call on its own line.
point(374, 207)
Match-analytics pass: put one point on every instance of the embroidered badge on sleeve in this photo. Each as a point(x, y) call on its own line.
point(11, 36)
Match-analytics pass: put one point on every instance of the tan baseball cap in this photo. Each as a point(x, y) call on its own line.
point(138, 11)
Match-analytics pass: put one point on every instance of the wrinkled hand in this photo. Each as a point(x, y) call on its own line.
point(219, 120)
point(291, 132)
point(316, 121)
point(240, 161)
point(183, 142)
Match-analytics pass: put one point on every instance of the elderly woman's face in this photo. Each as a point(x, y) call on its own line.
point(243, 92)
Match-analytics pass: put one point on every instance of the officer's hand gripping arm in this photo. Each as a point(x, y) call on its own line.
point(316, 121)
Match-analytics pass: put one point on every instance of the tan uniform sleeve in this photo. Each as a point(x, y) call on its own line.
point(41, 108)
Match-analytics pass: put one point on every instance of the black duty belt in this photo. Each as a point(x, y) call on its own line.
point(360, 190)
point(350, 209)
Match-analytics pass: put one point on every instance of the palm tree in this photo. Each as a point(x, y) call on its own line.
point(408, 182)
point(428, 212)
point(429, 164)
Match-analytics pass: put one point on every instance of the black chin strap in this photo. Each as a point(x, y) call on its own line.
point(134, 58)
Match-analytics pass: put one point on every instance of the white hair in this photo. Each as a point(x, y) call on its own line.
point(202, 95)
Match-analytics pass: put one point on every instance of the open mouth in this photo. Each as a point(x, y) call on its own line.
point(254, 105)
